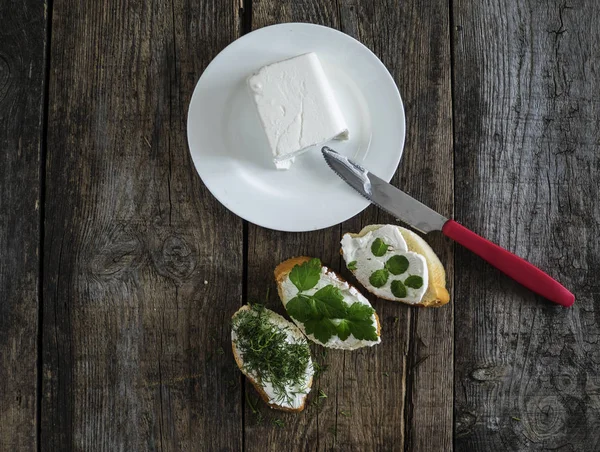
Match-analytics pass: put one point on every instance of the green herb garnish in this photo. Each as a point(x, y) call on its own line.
point(266, 353)
point(379, 247)
point(358, 323)
point(398, 289)
point(379, 277)
point(279, 423)
point(397, 265)
point(330, 302)
point(414, 282)
point(345, 413)
point(324, 313)
point(321, 328)
point(351, 265)
point(319, 369)
point(306, 276)
point(251, 404)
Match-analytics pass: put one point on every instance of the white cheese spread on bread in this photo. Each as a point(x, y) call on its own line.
point(296, 106)
point(382, 263)
point(289, 291)
point(293, 396)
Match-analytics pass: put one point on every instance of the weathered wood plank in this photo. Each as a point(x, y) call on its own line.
point(412, 41)
point(526, 110)
point(141, 261)
point(304, 431)
point(22, 81)
point(365, 404)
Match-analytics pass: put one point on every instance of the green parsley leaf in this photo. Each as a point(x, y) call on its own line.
point(351, 265)
point(414, 282)
point(379, 247)
point(398, 289)
point(379, 277)
point(329, 302)
point(397, 265)
point(306, 276)
point(321, 329)
point(360, 329)
point(363, 329)
point(343, 330)
point(359, 311)
point(302, 308)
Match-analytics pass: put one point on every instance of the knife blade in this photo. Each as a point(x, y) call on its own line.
point(384, 195)
point(424, 219)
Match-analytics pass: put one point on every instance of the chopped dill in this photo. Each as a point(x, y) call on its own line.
point(251, 404)
point(267, 354)
point(279, 423)
point(319, 369)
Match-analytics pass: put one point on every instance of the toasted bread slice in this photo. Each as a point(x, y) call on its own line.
point(297, 400)
point(436, 294)
point(282, 272)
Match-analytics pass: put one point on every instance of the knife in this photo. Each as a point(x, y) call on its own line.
point(424, 219)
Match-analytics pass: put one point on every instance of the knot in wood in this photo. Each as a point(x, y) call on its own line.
point(490, 373)
point(177, 258)
point(464, 423)
point(545, 417)
point(121, 251)
point(564, 383)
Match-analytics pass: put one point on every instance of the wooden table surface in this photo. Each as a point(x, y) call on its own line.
point(119, 271)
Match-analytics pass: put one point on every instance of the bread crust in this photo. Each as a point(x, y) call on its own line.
point(283, 270)
point(263, 395)
point(437, 295)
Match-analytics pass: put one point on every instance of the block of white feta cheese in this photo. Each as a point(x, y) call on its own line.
point(296, 106)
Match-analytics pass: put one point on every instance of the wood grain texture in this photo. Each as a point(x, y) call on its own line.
point(266, 249)
point(411, 40)
point(526, 77)
point(22, 75)
point(366, 389)
point(143, 266)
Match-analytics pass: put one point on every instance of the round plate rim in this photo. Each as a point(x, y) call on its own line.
point(387, 176)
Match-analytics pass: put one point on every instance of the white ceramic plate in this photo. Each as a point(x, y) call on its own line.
point(230, 150)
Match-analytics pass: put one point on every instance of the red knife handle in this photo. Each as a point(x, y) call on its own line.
point(518, 269)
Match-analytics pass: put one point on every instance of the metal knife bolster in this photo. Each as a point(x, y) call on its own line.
point(383, 194)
